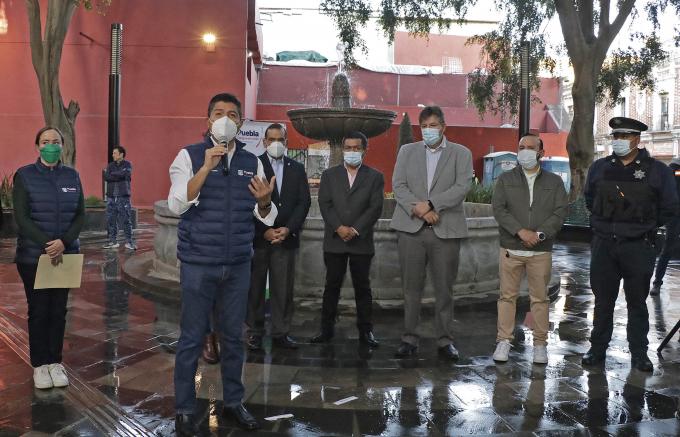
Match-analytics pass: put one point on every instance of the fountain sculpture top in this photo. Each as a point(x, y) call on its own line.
point(332, 124)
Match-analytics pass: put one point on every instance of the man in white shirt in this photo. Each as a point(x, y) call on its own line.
point(217, 187)
point(529, 205)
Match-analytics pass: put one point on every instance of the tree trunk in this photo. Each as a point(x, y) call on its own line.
point(581, 141)
point(46, 56)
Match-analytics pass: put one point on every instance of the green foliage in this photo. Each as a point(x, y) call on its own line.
point(629, 67)
point(94, 202)
point(100, 5)
point(495, 86)
point(479, 193)
point(6, 191)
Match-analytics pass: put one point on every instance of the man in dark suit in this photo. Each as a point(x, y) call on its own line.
point(350, 200)
point(276, 246)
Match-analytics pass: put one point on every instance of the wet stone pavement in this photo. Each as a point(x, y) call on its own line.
point(119, 348)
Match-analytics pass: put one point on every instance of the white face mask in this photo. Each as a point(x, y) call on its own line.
point(527, 158)
point(621, 147)
point(276, 149)
point(223, 130)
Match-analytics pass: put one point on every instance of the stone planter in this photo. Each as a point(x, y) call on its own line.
point(95, 220)
point(477, 273)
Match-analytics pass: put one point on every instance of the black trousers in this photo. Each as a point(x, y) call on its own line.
point(611, 261)
point(359, 268)
point(46, 318)
point(279, 263)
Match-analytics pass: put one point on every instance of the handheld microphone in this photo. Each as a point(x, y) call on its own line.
point(223, 160)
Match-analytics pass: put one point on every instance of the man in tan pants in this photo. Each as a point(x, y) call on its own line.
point(529, 205)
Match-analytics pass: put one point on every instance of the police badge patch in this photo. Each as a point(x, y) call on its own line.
point(639, 174)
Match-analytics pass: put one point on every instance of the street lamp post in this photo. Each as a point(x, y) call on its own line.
point(114, 94)
point(525, 92)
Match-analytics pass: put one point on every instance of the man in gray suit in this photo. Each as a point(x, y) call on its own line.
point(351, 201)
point(430, 181)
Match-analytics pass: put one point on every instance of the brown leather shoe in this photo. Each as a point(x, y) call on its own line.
point(211, 354)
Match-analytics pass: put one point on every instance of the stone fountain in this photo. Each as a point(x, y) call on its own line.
point(332, 124)
point(158, 271)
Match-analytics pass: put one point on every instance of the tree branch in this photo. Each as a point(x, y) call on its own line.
point(613, 29)
point(571, 29)
point(586, 18)
point(604, 17)
point(35, 29)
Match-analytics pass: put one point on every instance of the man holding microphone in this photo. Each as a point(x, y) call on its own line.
point(217, 187)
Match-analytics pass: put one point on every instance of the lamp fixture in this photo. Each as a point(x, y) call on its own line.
point(209, 40)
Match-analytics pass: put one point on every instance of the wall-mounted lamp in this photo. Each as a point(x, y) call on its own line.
point(209, 40)
point(250, 53)
point(4, 24)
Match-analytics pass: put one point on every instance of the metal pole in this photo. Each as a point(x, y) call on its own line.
point(114, 87)
point(114, 95)
point(525, 92)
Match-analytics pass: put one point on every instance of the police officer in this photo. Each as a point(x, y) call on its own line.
point(672, 237)
point(630, 194)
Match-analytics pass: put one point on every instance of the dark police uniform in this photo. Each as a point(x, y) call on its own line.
point(672, 237)
point(628, 203)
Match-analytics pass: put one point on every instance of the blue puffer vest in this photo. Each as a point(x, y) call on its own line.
point(53, 199)
point(220, 229)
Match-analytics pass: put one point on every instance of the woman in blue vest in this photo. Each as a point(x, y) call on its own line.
point(49, 211)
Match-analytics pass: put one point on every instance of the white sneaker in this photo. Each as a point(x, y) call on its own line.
point(502, 351)
point(58, 375)
point(541, 354)
point(130, 246)
point(41, 377)
point(111, 245)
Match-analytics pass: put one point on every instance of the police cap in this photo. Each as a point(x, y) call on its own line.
point(626, 125)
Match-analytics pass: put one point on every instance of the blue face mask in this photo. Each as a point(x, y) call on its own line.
point(431, 135)
point(353, 159)
point(621, 147)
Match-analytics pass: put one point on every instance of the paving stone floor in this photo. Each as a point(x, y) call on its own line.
point(119, 347)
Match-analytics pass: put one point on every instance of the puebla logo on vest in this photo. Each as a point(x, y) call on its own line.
point(245, 173)
point(69, 189)
point(638, 174)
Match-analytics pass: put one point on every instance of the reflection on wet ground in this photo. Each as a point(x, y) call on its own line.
point(119, 354)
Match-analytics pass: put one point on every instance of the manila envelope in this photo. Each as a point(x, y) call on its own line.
point(68, 274)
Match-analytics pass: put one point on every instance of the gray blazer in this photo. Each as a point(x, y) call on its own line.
point(450, 184)
point(358, 207)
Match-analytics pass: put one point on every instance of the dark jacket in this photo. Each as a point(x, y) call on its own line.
point(512, 210)
point(359, 207)
point(292, 204)
point(48, 205)
point(117, 176)
point(219, 230)
point(630, 201)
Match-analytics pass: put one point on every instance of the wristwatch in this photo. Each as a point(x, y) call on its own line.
point(541, 236)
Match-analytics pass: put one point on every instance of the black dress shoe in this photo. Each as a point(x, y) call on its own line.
point(185, 426)
point(254, 343)
point(642, 363)
point(323, 337)
point(368, 338)
point(592, 358)
point(449, 352)
point(241, 416)
point(284, 342)
point(406, 350)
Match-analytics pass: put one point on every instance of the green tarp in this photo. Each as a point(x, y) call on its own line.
point(307, 55)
